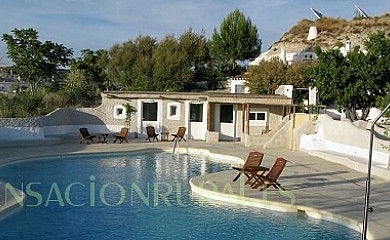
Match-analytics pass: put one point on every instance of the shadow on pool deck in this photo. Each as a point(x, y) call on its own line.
point(315, 186)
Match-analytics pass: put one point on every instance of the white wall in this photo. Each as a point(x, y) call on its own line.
point(344, 138)
point(60, 123)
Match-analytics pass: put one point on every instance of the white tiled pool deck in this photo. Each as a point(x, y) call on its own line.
point(314, 185)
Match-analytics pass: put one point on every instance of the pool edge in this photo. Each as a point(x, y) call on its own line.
point(275, 206)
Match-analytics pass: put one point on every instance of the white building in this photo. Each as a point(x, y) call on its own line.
point(285, 56)
point(237, 85)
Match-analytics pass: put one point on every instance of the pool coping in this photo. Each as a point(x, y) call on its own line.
point(271, 205)
point(281, 207)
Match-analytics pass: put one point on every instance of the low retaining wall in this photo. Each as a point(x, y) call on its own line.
point(61, 123)
point(21, 129)
point(345, 138)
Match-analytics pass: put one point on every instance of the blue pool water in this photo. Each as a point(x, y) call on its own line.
point(127, 196)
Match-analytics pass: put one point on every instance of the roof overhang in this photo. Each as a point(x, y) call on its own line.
point(211, 97)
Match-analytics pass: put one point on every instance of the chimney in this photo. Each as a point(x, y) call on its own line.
point(313, 32)
point(348, 45)
point(282, 55)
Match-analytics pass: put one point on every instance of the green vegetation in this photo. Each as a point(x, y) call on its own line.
point(266, 77)
point(36, 62)
point(236, 41)
point(357, 81)
point(143, 64)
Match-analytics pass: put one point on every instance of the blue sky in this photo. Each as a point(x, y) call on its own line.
point(98, 24)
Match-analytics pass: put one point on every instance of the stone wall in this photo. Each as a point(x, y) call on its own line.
point(21, 129)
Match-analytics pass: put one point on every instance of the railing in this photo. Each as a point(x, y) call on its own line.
point(367, 207)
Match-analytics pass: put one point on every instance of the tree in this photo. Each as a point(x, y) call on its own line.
point(379, 45)
point(143, 66)
point(76, 87)
point(236, 41)
point(298, 74)
point(267, 76)
point(385, 100)
point(356, 81)
point(35, 61)
point(198, 55)
point(93, 63)
point(121, 59)
point(171, 70)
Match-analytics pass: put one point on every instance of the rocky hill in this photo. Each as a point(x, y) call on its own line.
point(331, 33)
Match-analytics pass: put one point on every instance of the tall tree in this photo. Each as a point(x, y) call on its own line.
point(91, 63)
point(267, 76)
point(196, 48)
point(298, 74)
point(357, 80)
point(121, 59)
point(236, 41)
point(143, 66)
point(35, 61)
point(171, 70)
point(130, 65)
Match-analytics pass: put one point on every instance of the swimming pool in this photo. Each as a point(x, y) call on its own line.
point(145, 196)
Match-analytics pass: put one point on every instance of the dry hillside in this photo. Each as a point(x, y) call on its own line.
point(331, 33)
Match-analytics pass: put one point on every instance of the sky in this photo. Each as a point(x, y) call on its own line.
point(98, 24)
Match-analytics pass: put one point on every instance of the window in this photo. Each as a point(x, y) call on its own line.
point(119, 112)
point(258, 117)
point(173, 111)
point(196, 112)
point(239, 88)
point(226, 115)
point(149, 111)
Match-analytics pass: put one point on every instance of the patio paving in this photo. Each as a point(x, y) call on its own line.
point(314, 185)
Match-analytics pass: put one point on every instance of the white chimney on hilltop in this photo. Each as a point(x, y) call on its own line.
point(283, 55)
point(348, 45)
point(313, 33)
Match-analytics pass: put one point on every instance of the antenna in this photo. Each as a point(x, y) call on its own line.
point(360, 13)
point(317, 14)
